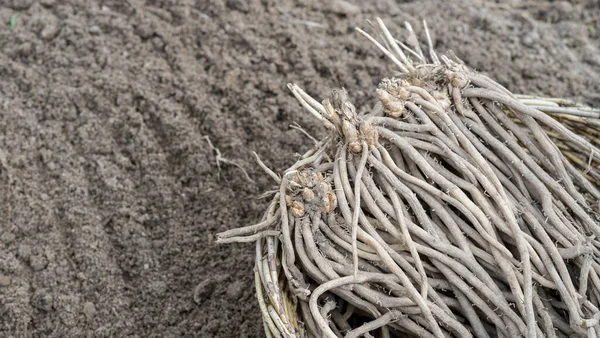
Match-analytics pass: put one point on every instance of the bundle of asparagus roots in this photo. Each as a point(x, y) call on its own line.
point(452, 208)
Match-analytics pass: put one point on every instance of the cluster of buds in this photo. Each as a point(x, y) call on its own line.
point(393, 94)
point(442, 99)
point(457, 79)
point(342, 113)
point(308, 190)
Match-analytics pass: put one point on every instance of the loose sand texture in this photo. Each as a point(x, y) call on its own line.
point(110, 195)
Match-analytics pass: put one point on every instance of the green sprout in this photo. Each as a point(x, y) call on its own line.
point(13, 21)
point(592, 30)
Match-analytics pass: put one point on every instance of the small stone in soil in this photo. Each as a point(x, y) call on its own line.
point(89, 310)
point(204, 290)
point(50, 32)
point(4, 281)
point(41, 300)
point(38, 262)
point(95, 30)
point(235, 290)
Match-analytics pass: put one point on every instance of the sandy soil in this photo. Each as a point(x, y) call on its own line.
point(109, 193)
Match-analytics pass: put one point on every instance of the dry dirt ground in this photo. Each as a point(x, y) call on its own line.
point(110, 195)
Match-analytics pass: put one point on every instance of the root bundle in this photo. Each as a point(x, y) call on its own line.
point(453, 208)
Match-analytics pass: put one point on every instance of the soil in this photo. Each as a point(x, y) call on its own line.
point(110, 195)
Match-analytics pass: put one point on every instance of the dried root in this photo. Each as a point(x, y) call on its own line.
point(453, 209)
